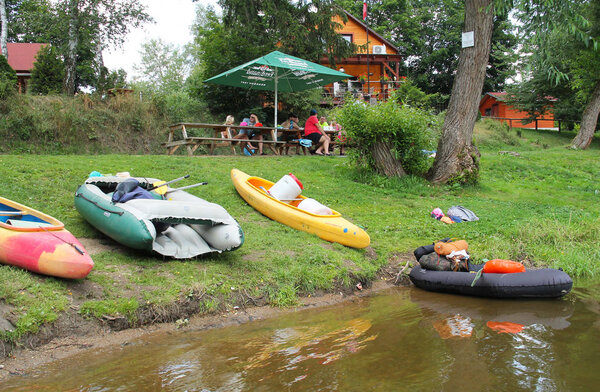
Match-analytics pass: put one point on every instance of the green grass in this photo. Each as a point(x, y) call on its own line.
point(542, 207)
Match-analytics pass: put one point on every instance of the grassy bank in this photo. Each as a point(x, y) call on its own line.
point(541, 207)
point(83, 124)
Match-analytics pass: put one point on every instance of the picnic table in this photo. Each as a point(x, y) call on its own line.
point(178, 136)
point(192, 143)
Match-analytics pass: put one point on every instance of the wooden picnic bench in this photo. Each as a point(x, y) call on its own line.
point(192, 143)
point(178, 136)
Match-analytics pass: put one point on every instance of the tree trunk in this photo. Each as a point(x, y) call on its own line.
point(589, 120)
point(385, 161)
point(3, 29)
point(457, 157)
point(72, 43)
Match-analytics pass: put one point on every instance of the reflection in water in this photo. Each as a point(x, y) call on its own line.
point(505, 326)
point(291, 346)
point(401, 340)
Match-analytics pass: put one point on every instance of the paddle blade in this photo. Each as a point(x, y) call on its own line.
point(160, 187)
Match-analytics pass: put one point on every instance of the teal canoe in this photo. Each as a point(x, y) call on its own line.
point(181, 226)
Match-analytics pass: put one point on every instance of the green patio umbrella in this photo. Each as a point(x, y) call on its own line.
point(276, 72)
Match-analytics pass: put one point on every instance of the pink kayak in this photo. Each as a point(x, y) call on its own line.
point(39, 243)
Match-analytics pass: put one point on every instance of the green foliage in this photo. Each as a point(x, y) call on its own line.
point(110, 79)
point(179, 106)
point(428, 35)
point(164, 67)
point(35, 301)
point(48, 72)
point(496, 134)
point(408, 93)
point(119, 307)
point(8, 79)
point(98, 24)
point(58, 124)
point(407, 130)
point(284, 25)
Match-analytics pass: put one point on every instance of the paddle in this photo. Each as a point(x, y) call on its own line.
point(160, 187)
point(11, 213)
point(186, 187)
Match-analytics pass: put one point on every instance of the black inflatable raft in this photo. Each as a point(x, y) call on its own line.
point(540, 283)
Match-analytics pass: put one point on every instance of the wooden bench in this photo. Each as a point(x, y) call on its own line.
point(193, 142)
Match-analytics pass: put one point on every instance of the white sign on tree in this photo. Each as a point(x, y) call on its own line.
point(468, 39)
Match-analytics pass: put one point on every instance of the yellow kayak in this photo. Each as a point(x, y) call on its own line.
point(332, 228)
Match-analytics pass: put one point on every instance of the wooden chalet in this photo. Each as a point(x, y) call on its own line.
point(374, 67)
point(21, 57)
point(493, 105)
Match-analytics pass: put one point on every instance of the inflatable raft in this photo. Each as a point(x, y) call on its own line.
point(540, 283)
point(332, 227)
point(181, 226)
point(39, 243)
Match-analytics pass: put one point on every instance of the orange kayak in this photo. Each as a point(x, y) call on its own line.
point(39, 243)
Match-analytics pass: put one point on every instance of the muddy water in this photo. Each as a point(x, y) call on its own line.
point(397, 340)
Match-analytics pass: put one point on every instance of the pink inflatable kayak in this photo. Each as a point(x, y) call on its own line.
point(39, 243)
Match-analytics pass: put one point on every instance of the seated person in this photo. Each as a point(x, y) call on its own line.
point(249, 133)
point(292, 124)
point(323, 122)
point(228, 132)
point(340, 135)
point(314, 132)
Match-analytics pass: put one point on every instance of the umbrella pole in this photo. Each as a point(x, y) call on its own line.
point(275, 125)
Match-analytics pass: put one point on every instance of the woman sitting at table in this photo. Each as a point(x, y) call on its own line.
point(292, 124)
point(314, 132)
point(252, 134)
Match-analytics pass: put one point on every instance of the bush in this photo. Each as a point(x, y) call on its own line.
point(8, 79)
point(48, 72)
point(497, 134)
point(407, 130)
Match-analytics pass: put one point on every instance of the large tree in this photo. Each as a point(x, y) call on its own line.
point(457, 158)
point(94, 25)
point(428, 35)
point(164, 67)
point(563, 38)
point(3, 28)
point(80, 29)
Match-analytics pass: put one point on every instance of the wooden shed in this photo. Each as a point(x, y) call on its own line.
point(375, 67)
point(493, 105)
point(21, 57)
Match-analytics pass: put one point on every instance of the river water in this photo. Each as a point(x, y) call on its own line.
point(402, 339)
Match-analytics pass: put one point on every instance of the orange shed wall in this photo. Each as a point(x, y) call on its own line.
point(505, 111)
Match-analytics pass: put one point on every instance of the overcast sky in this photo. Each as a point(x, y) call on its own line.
point(173, 20)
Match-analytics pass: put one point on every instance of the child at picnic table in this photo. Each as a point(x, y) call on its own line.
point(292, 124)
point(314, 132)
point(248, 133)
point(340, 135)
point(228, 132)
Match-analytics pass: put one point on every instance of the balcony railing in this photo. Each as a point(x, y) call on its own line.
point(375, 90)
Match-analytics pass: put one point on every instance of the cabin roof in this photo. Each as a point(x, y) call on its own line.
point(371, 31)
point(21, 56)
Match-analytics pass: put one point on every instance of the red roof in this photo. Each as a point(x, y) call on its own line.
point(22, 56)
point(503, 95)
